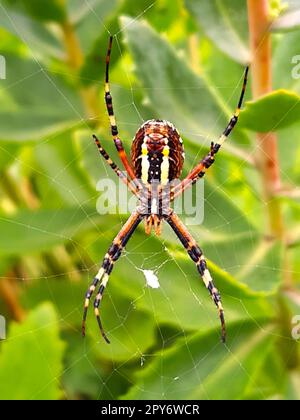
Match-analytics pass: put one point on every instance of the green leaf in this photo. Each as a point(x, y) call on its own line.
point(87, 12)
point(227, 81)
point(28, 95)
point(61, 163)
point(199, 367)
point(4, 266)
point(91, 161)
point(225, 23)
point(286, 72)
point(221, 214)
point(289, 21)
point(79, 379)
point(104, 20)
point(271, 112)
point(35, 231)
point(286, 62)
point(8, 153)
point(261, 269)
point(186, 303)
point(289, 161)
point(33, 34)
point(90, 20)
point(229, 239)
point(292, 391)
point(88, 377)
point(131, 331)
point(124, 322)
point(35, 351)
point(250, 259)
point(182, 293)
point(52, 10)
point(26, 126)
point(266, 378)
point(174, 91)
point(163, 17)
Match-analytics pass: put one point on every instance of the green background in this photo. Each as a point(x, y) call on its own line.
point(172, 59)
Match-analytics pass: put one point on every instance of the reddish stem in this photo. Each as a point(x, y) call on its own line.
point(261, 71)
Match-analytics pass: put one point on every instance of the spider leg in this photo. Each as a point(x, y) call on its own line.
point(132, 185)
point(200, 169)
point(112, 118)
point(113, 254)
point(196, 255)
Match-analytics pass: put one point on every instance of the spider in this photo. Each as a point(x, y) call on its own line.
point(157, 157)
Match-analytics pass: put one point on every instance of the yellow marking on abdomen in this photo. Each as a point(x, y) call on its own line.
point(164, 169)
point(145, 163)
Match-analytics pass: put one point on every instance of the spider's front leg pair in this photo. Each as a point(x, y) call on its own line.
point(112, 118)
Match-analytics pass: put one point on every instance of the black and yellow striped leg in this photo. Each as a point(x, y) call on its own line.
point(110, 258)
point(132, 185)
point(197, 256)
point(88, 296)
point(234, 118)
point(112, 118)
point(199, 170)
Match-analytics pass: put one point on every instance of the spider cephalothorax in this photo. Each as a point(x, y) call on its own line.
point(157, 157)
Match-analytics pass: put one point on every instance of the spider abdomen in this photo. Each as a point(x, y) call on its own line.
point(157, 152)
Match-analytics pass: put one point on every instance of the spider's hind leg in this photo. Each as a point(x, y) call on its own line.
point(197, 256)
point(90, 291)
point(113, 254)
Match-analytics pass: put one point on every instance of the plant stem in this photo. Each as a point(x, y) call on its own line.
point(193, 43)
point(29, 197)
point(10, 294)
point(19, 192)
point(268, 164)
point(261, 73)
point(60, 261)
point(10, 188)
point(287, 347)
point(73, 49)
point(75, 60)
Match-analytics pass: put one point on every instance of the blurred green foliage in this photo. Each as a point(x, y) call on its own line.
point(178, 60)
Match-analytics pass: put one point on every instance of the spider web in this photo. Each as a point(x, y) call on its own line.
point(145, 264)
